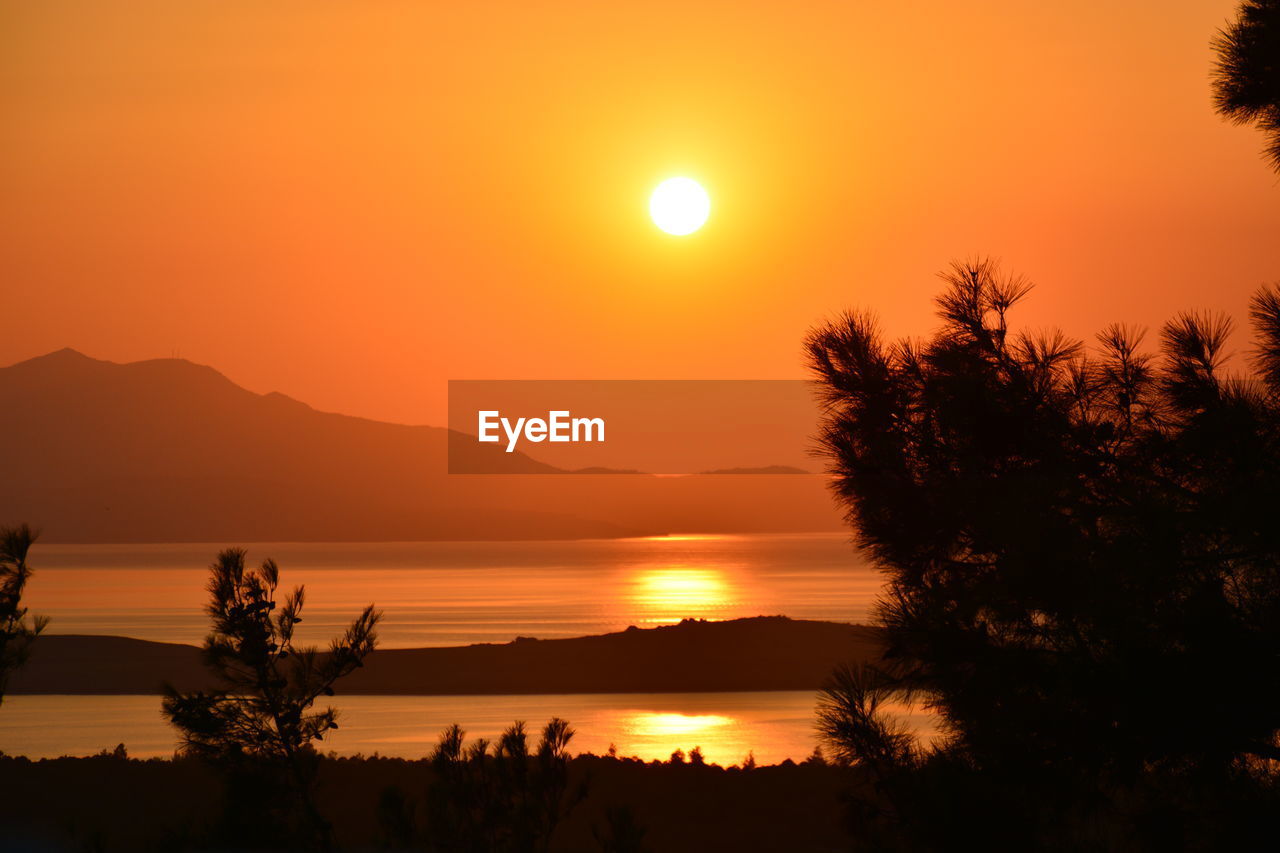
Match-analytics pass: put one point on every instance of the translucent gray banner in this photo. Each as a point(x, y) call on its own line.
point(667, 427)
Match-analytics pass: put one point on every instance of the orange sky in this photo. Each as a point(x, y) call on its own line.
point(353, 202)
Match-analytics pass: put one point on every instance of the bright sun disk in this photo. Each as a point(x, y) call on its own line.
point(679, 206)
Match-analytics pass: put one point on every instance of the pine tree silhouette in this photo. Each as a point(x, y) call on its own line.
point(1246, 79)
point(1081, 548)
point(260, 726)
point(17, 631)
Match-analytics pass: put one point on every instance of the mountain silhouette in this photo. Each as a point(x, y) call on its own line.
point(168, 450)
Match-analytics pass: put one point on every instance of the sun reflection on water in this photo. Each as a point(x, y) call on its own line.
point(672, 593)
point(650, 725)
point(651, 735)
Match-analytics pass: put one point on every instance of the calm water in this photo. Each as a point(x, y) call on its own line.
point(454, 593)
point(726, 726)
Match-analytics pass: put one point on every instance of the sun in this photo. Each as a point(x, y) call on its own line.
point(679, 206)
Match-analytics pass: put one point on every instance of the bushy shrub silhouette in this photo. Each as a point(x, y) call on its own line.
point(491, 797)
point(260, 725)
point(621, 832)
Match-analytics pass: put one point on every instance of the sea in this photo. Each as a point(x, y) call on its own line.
point(458, 593)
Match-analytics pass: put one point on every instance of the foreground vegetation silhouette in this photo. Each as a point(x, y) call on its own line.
point(507, 799)
point(1246, 80)
point(17, 631)
point(1083, 574)
point(260, 728)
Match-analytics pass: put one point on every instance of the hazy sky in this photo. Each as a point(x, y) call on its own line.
point(352, 202)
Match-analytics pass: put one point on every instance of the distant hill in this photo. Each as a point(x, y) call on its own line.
point(762, 653)
point(168, 450)
point(785, 470)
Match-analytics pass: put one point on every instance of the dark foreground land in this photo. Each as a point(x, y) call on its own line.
point(109, 803)
point(761, 653)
